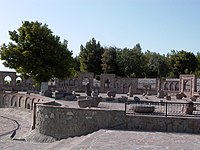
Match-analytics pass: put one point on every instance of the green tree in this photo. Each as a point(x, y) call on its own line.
point(157, 65)
point(36, 53)
point(197, 72)
point(90, 57)
point(131, 62)
point(182, 62)
point(109, 64)
point(76, 66)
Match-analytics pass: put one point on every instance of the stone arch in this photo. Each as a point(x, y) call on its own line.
point(75, 82)
point(13, 101)
point(171, 86)
point(166, 86)
point(62, 83)
point(7, 80)
point(177, 86)
point(21, 101)
point(66, 83)
point(117, 84)
point(32, 102)
point(6, 100)
point(19, 80)
point(28, 106)
point(126, 87)
point(71, 82)
point(26, 102)
point(3, 77)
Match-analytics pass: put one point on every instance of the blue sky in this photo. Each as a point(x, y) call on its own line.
point(158, 25)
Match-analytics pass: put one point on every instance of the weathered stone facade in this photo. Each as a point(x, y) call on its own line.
point(14, 84)
point(109, 82)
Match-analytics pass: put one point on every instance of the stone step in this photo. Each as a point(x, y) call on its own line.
point(72, 142)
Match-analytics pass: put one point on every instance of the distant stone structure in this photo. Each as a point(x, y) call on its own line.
point(16, 83)
point(187, 84)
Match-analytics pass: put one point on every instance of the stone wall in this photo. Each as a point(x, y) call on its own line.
point(164, 124)
point(60, 122)
point(21, 101)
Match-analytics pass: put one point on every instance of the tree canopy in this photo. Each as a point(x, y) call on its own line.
point(90, 57)
point(182, 62)
point(131, 62)
point(157, 65)
point(109, 56)
point(36, 53)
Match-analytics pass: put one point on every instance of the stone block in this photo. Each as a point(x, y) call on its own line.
point(161, 94)
point(70, 98)
point(136, 99)
point(111, 93)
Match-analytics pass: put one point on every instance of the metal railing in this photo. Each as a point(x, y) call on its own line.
point(187, 109)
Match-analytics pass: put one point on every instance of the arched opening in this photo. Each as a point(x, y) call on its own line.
point(15, 104)
point(107, 83)
point(71, 82)
point(166, 86)
point(26, 102)
point(32, 102)
point(177, 86)
point(171, 86)
point(7, 80)
point(18, 81)
point(6, 100)
point(28, 106)
point(76, 82)
point(116, 84)
point(13, 100)
point(21, 99)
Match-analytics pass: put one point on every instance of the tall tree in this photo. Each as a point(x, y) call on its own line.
point(109, 64)
point(90, 57)
point(197, 72)
point(182, 62)
point(76, 66)
point(131, 62)
point(36, 53)
point(157, 65)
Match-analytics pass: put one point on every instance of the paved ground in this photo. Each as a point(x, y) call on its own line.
point(103, 140)
point(11, 119)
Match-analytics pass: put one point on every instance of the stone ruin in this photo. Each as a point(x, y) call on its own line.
point(108, 83)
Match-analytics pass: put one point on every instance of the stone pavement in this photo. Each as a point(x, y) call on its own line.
point(118, 140)
point(100, 140)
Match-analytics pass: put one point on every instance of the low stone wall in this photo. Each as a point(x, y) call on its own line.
point(163, 124)
point(22, 101)
point(60, 122)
